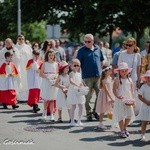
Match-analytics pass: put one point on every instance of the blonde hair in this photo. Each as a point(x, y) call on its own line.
point(132, 40)
point(75, 61)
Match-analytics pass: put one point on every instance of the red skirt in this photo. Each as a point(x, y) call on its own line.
point(48, 107)
point(8, 97)
point(33, 97)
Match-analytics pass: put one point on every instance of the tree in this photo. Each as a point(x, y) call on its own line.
point(78, 17)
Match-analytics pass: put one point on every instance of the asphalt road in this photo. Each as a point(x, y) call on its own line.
point(23, 130)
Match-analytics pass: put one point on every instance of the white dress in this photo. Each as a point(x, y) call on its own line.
point(48, 92)
point(133, 61)
point(122, 111)
point(144, 114)
point(61, 97)
point(72, 97)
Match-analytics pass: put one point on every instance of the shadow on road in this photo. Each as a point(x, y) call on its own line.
point(134, 143)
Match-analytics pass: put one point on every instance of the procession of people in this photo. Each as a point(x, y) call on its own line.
point(121, 82)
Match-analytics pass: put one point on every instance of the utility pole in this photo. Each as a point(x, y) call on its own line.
point(19, 17)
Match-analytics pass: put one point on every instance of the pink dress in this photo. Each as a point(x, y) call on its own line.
point(104, 103)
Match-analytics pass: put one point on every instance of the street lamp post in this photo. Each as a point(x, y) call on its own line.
point(19, 17)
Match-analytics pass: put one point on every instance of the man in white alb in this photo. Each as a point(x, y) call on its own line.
point(25, 53)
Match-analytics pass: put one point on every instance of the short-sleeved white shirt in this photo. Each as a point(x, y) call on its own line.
point(133, 61)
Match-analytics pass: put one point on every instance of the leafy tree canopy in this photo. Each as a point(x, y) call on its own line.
point(98, 17)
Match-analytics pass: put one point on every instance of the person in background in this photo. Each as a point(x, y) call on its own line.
point(34, 80)
point(57, 53)
point(1, 45)
point(108, 53)
point(146, 50)
point(46, 47)
point(145, 58)
point(116, 56)
point(91, 59)
point(60, 50)
point(116, 48)
point(35, 46)
point(25, 53)
point(104, 52)
point(9, 47)
point(8, 73)
point(75, 51)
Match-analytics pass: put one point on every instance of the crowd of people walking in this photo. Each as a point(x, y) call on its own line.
point(63, 79)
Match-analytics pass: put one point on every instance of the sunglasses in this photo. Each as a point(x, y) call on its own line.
point(87, 41)
point(76, 65)
point(20, 39)
point(35, 45)
point(129, 45)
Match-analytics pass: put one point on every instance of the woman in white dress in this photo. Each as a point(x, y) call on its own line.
point(49, 73)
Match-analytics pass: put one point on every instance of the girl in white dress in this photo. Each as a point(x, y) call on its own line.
point(144, 96)
point(125, 97)
point(72, 98)
point(62, 83)
point(49, 73)
point(133, 59)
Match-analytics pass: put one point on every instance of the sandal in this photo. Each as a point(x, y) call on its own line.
point(59, 120)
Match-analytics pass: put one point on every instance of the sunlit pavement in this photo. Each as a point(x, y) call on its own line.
point(21, 129)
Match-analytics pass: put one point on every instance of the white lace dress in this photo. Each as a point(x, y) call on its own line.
point(121, 110)
point(144, 114)
point(48, 92)
point(72, 97)
point(61, 97)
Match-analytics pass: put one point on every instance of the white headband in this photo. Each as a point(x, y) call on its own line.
point(107, 68)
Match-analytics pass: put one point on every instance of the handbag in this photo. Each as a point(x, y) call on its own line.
point(83, 90)
point(129, 102)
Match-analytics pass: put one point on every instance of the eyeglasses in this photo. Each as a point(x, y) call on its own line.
point(129, 45)
point(35, 45)
point(20, 39)
point(76, 66)
point(87, 41)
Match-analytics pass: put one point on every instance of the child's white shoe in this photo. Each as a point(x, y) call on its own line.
point(73, 124)
point(44, 115)
point(52, 118)
point(143, 138)
point(100, 125)
point(80, 123)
